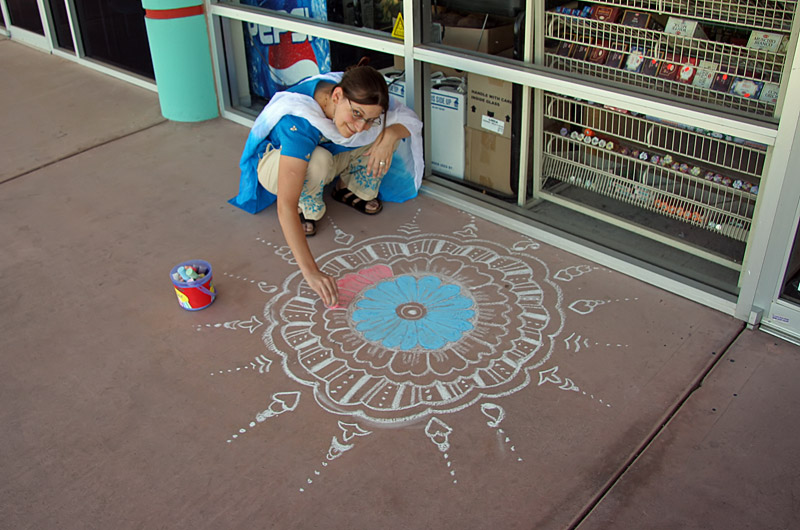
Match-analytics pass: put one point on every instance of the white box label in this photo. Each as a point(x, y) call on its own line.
point(492, 124)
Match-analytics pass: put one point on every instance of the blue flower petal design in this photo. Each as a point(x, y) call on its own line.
point(406, 312)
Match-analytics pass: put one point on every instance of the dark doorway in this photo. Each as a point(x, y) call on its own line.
point(113, 31)
point(25, 14)
point(61, 22)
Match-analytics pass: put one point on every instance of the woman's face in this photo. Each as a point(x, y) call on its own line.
point(351, 117)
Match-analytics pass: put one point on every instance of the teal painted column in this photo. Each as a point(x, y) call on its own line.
point(181, 56)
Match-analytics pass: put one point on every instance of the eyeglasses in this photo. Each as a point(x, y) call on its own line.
point(358, 116)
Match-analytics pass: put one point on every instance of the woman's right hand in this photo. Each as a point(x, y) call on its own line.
point(324, 285)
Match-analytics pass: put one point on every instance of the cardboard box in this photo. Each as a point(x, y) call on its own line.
point(489, 160)
point(489, 104)
point(448, 117)
point(493, 40)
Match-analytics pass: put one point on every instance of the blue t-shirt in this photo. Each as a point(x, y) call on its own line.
point(295, 136)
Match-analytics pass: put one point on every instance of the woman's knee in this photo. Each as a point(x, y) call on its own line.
point(320, 166)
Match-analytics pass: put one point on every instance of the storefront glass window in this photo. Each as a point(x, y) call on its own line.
point(269, 60)
point(379, 15)
point(492, 27)
point(113, 31)
point(25, 14)
point(724, 54)
point(61, 24)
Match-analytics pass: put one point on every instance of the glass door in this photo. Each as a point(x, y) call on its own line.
point(114, 33)
point(783, 317)
point(24, 22)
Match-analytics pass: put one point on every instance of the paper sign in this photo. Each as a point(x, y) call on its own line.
point(398, 30)
point(492, 124)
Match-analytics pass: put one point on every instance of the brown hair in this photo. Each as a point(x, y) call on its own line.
point(365, 85)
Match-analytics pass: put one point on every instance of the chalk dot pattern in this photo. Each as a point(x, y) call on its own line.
point(410, 228)
point(509, 443)
point(280, 250)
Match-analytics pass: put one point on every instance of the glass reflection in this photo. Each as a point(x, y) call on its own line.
point(481, 26)
point(270, 60)
point(25, 14)
point(371, 14)
point(61, 24)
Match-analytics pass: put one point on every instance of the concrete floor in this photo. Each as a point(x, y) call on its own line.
point(571, 395)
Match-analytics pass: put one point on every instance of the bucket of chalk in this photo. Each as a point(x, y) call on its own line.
point(192, 282)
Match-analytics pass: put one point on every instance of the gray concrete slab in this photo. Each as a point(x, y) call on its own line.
point(122, 407)
point(122, 410)
point(729, 458)
point(52, 108)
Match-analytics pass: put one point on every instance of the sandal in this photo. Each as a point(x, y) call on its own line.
point(349, 198)
point(306, 222)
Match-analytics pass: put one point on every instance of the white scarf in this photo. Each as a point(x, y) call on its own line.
point(303, 106)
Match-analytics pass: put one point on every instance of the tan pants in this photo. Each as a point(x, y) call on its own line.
point(323, 168)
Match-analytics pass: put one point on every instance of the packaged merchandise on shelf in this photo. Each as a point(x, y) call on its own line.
point(687, 70)
point(762, 40)
point(719, 51)
point(722, 82)
point(704, 75)
point(683, 27)
point(606, 13)
point(635, 59)
point(636, 19)
point(651, 66)
point(706, 132)
point(746, 88)
point(591, 138)
point(669, 68)
point(616, 57)
point(769, 93)
point(565, 48)
point(584, 12)
point(599, 54)
point(581, 52)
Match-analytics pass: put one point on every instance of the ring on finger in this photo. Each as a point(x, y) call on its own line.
point(382, 163)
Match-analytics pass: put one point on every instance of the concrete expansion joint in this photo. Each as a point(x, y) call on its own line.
point(81, 151)
point(666, 420)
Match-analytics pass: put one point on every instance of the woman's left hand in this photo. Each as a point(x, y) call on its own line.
point(380, 155)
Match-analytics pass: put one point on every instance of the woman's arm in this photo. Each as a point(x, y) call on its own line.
point(384, 147)
point(291, 175)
